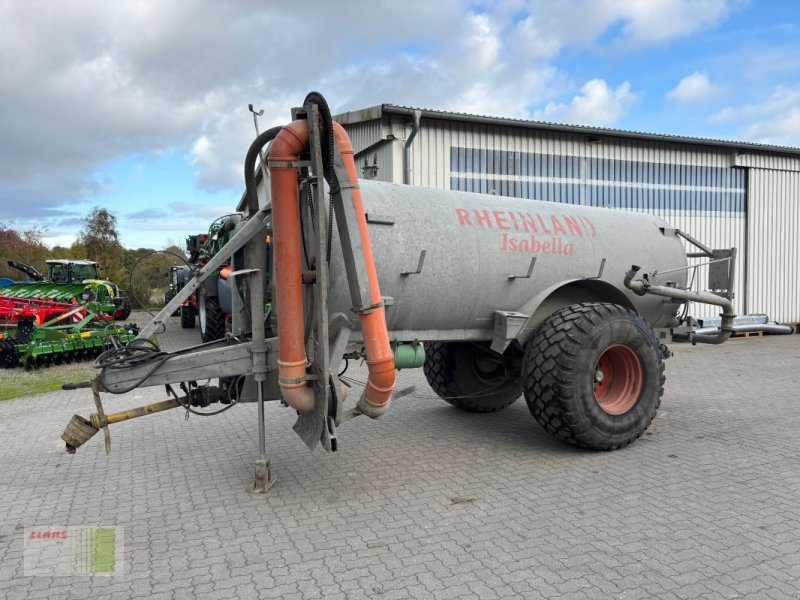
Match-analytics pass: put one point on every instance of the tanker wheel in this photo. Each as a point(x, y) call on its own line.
point(470, 377)
point(187, 316)
point(212, 319)
point(594, 375)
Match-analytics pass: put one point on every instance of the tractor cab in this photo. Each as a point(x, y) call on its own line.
point(71, 271)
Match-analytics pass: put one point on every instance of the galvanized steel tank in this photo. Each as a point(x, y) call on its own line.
point(474, 243)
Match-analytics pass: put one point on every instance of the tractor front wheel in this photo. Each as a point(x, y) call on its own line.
point(594, 375)
point(187, 316)
point(212, 319)
point(169, 295)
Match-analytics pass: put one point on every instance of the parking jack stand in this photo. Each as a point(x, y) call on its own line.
point(264, 478)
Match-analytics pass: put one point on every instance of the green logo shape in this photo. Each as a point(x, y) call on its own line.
point(95, 550)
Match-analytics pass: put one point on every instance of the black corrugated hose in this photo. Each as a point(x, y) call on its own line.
point(327, 157)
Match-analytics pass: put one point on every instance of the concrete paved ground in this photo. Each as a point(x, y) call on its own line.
point(429, 502)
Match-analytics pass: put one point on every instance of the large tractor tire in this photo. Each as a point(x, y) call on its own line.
point(593, 375)
point(168, 296)
point(187, 316)
point(470, 377)
point(212, 319)
point(8, 355)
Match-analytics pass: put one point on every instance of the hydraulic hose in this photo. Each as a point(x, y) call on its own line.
point(327, 156)
point(325, 137)
point(250, 166)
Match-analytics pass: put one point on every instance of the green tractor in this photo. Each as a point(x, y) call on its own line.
point(214, 297)
point(211, 304)
point(69, 281)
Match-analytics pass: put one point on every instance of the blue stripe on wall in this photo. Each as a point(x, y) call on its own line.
point(638, 194)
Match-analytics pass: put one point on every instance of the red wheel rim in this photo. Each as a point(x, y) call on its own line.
point(618, 379)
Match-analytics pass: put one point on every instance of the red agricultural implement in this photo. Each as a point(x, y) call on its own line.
point(12, 310)
point(43, 334)
point(35, 332)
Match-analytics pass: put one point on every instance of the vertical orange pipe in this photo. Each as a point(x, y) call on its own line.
point(380, 361)
point(288, 284)
point(286, 147)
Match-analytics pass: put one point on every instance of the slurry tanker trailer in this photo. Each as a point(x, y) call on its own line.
point(493, 297)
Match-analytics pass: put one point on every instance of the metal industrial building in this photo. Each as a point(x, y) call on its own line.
point(725, 194)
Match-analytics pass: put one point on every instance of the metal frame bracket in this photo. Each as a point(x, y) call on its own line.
point(529, 273)
point(420, 264)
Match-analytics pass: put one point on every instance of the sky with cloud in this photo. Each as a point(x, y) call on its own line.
point(141, 106)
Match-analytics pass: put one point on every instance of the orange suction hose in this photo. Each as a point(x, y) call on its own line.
point(286, 147)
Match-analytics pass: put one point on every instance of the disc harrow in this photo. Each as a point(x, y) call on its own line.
point(79, 334)
point(12, 310)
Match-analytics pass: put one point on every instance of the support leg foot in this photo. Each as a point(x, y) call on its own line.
point(264, 478)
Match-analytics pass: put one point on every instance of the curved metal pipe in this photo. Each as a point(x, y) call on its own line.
point(769, 328)
point(726, 328)
point(380, 361)
point(407, 147)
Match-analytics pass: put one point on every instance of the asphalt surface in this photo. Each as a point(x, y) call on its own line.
point(428, 502)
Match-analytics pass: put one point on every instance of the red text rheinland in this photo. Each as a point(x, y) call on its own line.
point(547, 233)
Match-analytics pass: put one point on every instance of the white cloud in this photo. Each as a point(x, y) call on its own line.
point(65, 240)
point(658, 21)
point(92, 81)
point(481, 41)
point(551, 26)
point(693, 88)
point(775, 120)
point(597, 104)
point(782, 128)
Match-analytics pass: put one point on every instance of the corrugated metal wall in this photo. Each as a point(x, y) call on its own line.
point(695, 189)
point(774, 234)
point(762, 160)
point(366, 135)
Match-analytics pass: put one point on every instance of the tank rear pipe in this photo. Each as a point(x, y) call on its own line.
point(641, 287)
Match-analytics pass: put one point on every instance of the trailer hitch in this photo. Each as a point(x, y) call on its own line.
point(80, 430)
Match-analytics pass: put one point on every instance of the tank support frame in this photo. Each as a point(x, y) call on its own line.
point(254, 355)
